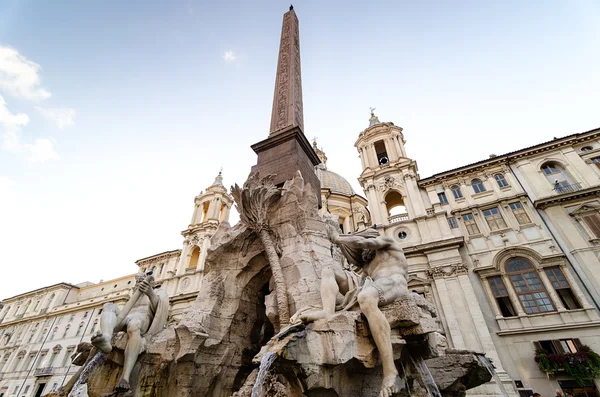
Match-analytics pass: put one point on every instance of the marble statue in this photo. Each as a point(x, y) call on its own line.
point(384, 272)
point(144, 315)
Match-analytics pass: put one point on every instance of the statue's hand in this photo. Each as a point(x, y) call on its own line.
point(145, 287)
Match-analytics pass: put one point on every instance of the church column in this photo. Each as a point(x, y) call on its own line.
point(373, 153)
point(375, 207)
point(399, 145)
point(414, 195)
point(455, 334)
point(362, 157)
point(393, 153)
point(184, 259)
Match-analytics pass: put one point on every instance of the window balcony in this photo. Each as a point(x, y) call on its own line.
point(47, 371)
point(564, 187)
point(397, 218)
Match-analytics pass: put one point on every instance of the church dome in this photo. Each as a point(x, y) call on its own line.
point(329, 179)
point(334, 182)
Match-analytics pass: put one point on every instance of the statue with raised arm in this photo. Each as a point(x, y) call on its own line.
point(144, 314)
point(384, 273)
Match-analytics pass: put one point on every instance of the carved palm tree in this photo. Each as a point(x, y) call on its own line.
point(253, 202)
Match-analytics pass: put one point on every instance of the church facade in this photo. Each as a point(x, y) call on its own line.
point(507, 249)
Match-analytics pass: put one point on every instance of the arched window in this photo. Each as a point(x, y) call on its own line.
point(456, 191)
point(559, 178)
point(382, 156)
point(477, 186)
point(194, 257)
point(500, 179)
point(528, 286)
point(394, 203)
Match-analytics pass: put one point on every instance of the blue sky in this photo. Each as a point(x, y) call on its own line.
point(114, 114)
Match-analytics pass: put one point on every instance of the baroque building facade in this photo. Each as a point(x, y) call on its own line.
point(506, 248)
point(40, 329)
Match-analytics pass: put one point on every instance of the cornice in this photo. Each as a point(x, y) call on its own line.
point(512, 156)
point(546, 202)
point(436, 245)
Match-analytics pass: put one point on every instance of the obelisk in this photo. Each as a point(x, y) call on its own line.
point(287, 150)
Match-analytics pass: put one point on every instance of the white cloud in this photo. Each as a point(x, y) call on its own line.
point(41, 150)
point(62, 117)
point(229, 56)
point(19, 76)
point(9, 120)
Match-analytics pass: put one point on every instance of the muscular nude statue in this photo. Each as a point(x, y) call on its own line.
point(384, 280)
point(144, 315)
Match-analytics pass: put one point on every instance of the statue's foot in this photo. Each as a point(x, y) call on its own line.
point(102, 342)
point(312, 316)
point(391, 385)
point(122, 386)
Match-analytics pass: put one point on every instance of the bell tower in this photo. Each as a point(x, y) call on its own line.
point(210, 209)
point(389, 177)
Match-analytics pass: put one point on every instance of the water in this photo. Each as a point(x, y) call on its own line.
point(488, 365)
point(94, 363)
point(265, 364)
point(428, 382)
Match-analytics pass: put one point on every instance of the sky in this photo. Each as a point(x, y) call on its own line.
point(114, 115)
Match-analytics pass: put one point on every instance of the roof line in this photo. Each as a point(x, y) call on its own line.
point(507, 155)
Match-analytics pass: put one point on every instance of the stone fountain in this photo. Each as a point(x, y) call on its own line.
point(231, 340)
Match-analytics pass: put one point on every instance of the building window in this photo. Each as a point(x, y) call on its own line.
point(477, 186)
point(53, 334)
point(470, 224)
point(66, 331)
point(59, 320)
point(592, 221)
point(494, 219)
point(596, 161)
point(79, 329)
point(443, 198)
point(42, 335)
point(558, 177)
point(72, 317)
point(452, 222)
point(501, 296)
point(85, 314)
point(562, 287)
point(587, 149)
point(532, 294)
point(94, 326)
point(520, 213)
point(382, 157)
point(68, 354)
point(501, 181)
point(456, 191)
point(558, 346)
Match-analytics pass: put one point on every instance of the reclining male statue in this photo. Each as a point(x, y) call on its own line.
point(383, 281)
point(144, 315)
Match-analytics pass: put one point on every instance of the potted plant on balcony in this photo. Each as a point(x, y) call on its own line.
point(581, 366)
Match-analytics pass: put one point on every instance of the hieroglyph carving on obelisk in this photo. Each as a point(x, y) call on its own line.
point(287, 101)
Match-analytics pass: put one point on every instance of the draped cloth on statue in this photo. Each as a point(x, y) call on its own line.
point(160, 317)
